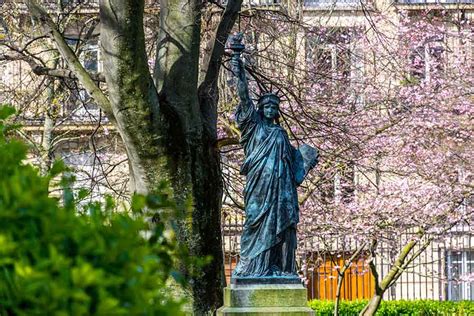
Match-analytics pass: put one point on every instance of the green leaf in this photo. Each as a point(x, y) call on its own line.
point(138, 202)
point(6, 111)
point(57, 168)
point(82, 194)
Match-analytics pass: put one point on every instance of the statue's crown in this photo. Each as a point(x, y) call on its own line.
point(270, 97)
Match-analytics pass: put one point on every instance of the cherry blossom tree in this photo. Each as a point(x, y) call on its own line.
point(393, 131)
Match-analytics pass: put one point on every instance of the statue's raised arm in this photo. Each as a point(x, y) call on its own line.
point(245, 111)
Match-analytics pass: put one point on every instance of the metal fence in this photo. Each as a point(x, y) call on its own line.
point(442, 272)
point(436, 1)
point(257, 3)
point(331, 3)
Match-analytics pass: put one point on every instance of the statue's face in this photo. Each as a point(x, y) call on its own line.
point(270, 110)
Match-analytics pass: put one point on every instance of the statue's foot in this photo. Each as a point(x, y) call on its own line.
point(275, 271)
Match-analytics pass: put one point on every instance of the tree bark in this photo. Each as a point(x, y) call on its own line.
point(395, 272)
point(164, 121)
point(132, 94)
point(340, 279)
point(342, 274)
point(47, 153)
point(373, 305)
point(163, 128)
point(194, 106)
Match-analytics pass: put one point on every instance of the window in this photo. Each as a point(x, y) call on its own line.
point(88, 53)
point(89, 58)
point(87, 166)
point(344, 183)
point(3, 28)
point(331, 3)
point(81, 105)
point(426, 60)
point(334, 63)
point(328, 59)
point(460, 265)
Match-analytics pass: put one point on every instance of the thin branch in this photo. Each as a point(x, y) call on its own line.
point(45, 71)
point(73, 62)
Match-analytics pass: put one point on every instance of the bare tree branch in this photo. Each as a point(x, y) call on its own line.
point(73, 62)
point(41, 70)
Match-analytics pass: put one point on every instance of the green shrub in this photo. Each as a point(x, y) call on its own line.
point(61, 259)
point(324, 307)
point(397, 308)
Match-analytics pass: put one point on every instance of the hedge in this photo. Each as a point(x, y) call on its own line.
point(64, 258)
point(397, 308)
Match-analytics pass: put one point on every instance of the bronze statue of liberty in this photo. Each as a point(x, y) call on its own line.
point(273, 169)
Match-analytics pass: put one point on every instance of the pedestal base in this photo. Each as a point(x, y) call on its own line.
point(265, 299)
point(293, 279)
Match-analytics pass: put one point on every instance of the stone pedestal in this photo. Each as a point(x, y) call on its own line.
point(265, 299)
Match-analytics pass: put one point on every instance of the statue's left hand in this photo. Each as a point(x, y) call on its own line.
point(310, 157)
point(306, 158)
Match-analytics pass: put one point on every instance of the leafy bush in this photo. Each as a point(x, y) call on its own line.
point(397, 308)
point(57, 259)
point(324, 307)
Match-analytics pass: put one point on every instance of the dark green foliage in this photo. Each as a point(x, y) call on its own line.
point(62, 259)
point(324, 308)
point(397, 308)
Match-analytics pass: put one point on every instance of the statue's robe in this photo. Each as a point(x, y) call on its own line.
point(273, 169)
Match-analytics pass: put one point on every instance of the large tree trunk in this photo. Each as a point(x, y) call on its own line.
point(133, 97)
point(163, 129)
point(167, 123)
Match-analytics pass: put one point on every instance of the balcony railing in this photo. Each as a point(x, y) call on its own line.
point(435, 1)
point(331, 3)
point(78, 120)
point(257, 3)
point(263, 3)
point(69, 2)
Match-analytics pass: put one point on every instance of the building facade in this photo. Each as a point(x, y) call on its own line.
point(78, 132)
